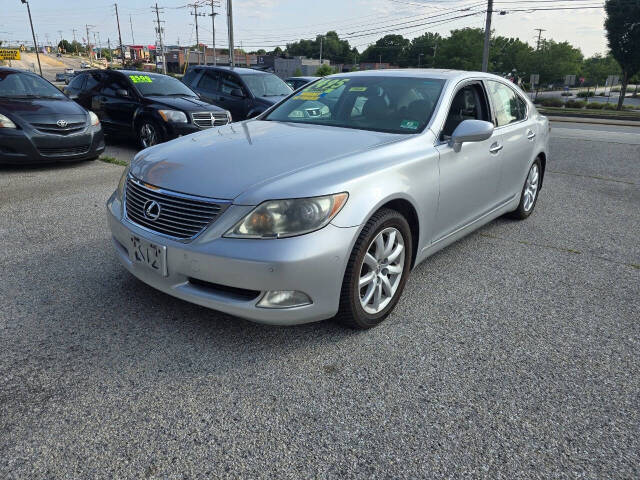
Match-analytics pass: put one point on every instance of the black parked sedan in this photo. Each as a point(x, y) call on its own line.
point(38, 123)
point(243, 91)
point(152, 107)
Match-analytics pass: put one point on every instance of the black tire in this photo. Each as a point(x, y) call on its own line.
point(521, 212)
point(143, 136)
point(350, 312)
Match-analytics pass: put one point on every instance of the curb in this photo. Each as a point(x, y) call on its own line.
point(597, 121)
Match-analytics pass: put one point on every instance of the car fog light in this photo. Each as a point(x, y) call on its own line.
point(283, 299)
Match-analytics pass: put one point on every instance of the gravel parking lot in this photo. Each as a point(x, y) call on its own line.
point(514, 353)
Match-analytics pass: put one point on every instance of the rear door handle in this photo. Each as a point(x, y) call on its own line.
point(495, 148)
point(531, 135)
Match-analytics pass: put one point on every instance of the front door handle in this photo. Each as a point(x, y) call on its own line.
point(495, 148)
point(531, 135)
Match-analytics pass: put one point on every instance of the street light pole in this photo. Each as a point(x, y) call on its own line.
point(35, 44)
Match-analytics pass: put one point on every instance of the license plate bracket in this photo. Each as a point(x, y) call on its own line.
point(149, 254)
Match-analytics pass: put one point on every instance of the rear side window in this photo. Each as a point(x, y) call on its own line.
point(78, 82)
point(230, 83)
point(509, 107)
point(93, 79)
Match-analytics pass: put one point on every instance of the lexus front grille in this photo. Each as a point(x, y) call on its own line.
point(209, 119)
point(169, 213)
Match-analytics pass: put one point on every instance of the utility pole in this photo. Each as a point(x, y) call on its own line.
point(98, 55)
point(89, 50)
point(164, 60)
point(74, 40)
point(119, 35)
point(232, 61)
point(321, 37)
point(213, 32)
point(487, 37)
point(539, 30)
point(35, 43)
point(196, 15)
point(60, 34)
point(133, 40)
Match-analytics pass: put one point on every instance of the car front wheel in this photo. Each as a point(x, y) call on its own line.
point(149, 134)
point(377, 270)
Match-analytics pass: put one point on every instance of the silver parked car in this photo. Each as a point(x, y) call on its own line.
point(321, 206)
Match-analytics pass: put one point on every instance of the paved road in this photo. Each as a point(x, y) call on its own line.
point(600, 98)
point(514, 353)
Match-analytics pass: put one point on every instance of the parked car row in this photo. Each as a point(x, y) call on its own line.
point(149, 107)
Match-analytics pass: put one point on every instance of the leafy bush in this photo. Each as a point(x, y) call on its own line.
point(586, 94)
point(551, 102)
point(610, 106)
point(566, 94)
point(595, 106)
point(575, 104)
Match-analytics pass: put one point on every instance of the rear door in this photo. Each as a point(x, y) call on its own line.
point(518, 133)
point(85, 95)
point(209, 87)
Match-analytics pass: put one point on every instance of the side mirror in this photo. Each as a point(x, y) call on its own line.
point(121, 92)
point(237, 92)
point(470, 131)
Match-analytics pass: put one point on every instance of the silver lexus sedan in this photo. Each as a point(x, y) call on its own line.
point(322, 205)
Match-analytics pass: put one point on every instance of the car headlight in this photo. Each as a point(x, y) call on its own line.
point(173, 116)
point(5, 122)
point(288, 218)
point(122, 183)
point(94, 118)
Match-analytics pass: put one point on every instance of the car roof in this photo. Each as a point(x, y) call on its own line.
point(239, 70)
point(17, 70)
point(302, 78)
point(437, 73)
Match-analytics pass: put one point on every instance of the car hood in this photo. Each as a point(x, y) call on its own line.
point(226, 161)
point(186, 104)
point(43, 110)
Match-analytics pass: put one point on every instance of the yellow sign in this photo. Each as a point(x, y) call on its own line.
point(6, 54)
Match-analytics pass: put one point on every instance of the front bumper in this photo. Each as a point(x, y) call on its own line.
point(312, 263)
point(22, 147)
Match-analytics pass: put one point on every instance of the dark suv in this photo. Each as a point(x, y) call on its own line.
point(243, 91)
point(153, 107)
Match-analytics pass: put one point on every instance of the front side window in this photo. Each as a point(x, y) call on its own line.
point(229, 83)
point(210, 82)
point(77, 82)
point(112, 87)
point(266, 85)
point(508, 105)
point(380, 103)
point(469, 103)
point(26, 85)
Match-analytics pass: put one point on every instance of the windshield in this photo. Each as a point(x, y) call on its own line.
point(385, 103)
point(26, 85)
point(162, 85)
point(266, 85)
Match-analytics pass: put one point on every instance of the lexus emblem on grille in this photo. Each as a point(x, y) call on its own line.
point(62, 123)
point(151, 210)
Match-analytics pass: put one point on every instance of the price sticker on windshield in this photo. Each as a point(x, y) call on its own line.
point(321, 88)
point(140, 78)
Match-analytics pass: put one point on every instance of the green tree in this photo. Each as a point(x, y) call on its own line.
point(297, 73)
point(509, 55)
point(462, 50)
point(324, 70)
point(596, 69)
point(388, 49)
point(623, 34)
point(333, 48)
point(423, 49)
point(554, 60)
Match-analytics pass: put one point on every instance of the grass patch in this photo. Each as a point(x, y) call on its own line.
point(114, 160)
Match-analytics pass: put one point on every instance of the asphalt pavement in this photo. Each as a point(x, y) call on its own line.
point(514, 353)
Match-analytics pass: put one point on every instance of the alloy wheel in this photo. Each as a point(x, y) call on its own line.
point(381, 270)
point(531, 188)
point(148, 135)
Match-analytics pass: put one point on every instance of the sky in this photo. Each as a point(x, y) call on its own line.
point(267, 23)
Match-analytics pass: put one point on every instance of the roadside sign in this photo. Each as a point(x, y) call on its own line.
point(535, 79)
point(612, 80)
point(9, 54)
point(570, 80)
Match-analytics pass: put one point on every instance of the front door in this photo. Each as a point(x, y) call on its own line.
point(119, 103)
point(469, 178)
